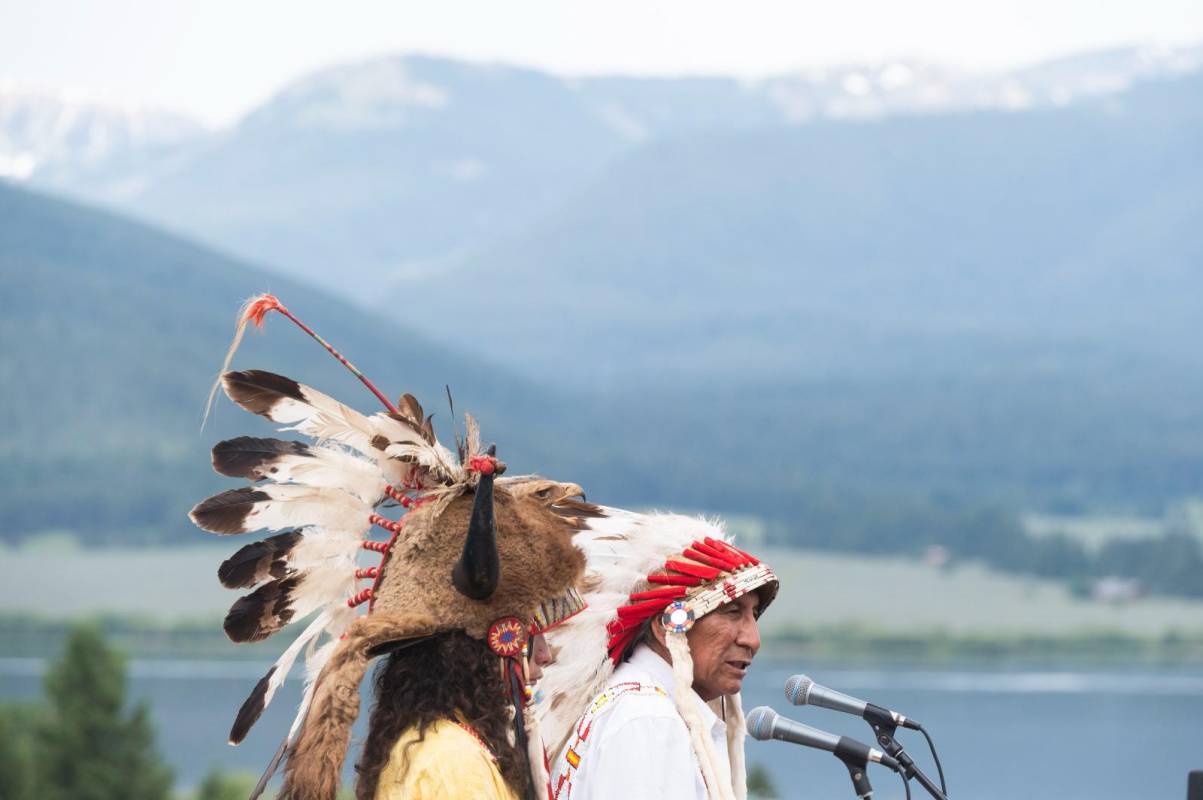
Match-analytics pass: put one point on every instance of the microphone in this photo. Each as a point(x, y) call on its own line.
point(802, 691)
point(764, 723)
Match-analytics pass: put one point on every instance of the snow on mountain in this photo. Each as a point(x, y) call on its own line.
point(380, 93)
point(44, 134)
point(901, 87)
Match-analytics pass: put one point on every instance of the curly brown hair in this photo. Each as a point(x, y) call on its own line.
point(428, 681)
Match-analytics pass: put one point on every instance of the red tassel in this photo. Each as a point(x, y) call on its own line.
point(257, 310)
point(697, 570)
point(667, 594)
point(485, 465)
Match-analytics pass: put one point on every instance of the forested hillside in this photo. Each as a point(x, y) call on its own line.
point(113, 334)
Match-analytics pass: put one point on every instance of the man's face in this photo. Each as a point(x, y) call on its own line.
point(540, 657)
point(723, 644)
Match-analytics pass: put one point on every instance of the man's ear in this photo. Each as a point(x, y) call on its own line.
point(655, 638)
point(657, 631)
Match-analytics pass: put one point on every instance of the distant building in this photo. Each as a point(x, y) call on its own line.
point(1113, 589)
point(936, 556)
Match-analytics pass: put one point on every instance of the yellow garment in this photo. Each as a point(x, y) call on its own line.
point(449, 764)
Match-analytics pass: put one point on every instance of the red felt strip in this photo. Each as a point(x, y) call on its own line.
point(675, 580)
point(721, 565)
point(702, 547)
point(667, 594)
point(696, 570)
point(739, 556)
point(641, 610)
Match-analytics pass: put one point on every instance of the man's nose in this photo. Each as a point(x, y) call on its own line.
point(749, 634)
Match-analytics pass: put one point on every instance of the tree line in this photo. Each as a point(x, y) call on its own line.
point(84, 740)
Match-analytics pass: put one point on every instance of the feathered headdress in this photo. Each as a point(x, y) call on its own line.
point(664, 568)
point(490, 556)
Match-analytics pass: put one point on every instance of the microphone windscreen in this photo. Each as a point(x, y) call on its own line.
point(1194, 785)
point(797, 689)
point(760, 722)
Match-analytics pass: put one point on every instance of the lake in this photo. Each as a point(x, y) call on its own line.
point(1091, 734)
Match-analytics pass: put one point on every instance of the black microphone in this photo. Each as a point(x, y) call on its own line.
point(802, 691)
point(764, 723)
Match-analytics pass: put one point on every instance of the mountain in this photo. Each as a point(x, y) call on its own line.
point(857, 248)
point(396, 167)
point(975, 303)
point(385, 169)
point(86, 147)
point(114, 332)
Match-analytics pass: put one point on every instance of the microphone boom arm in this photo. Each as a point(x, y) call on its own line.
point(884, 727)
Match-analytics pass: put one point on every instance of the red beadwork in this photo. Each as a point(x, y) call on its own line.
point(360, 598)
point(388, 524)
point(506, 637)
point(379, 547)
point(366, 572)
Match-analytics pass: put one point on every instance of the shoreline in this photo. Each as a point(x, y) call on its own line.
point(148, 638)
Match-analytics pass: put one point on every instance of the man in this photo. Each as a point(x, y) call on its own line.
point(675, 607)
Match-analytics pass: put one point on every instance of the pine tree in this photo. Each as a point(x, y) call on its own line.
point(760, 783)
point(219, 785)
point(17, 772)
point(89, 747)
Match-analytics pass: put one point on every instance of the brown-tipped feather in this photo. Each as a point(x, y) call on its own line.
point(251, 709)
point(258, 391)
point(258, 561)
point(261, 613)
point(251, 457)
point(409, 406)
point(227, 512)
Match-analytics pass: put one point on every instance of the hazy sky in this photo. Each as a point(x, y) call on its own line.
point(216, 58)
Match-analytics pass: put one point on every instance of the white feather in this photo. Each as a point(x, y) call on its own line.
point(332, 468)
point(296, 506)
point(326, 560)
point(621, 548)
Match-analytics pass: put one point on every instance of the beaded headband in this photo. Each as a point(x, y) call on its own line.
point(708, 574)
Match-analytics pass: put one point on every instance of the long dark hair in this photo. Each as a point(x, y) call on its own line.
point(428, 681)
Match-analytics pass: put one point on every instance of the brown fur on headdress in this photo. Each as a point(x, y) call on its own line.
point(316, 760)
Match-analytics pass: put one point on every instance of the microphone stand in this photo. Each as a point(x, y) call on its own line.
point(857, 770)
point(884, 726)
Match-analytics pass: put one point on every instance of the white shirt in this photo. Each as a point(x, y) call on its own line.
point(639, 747)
